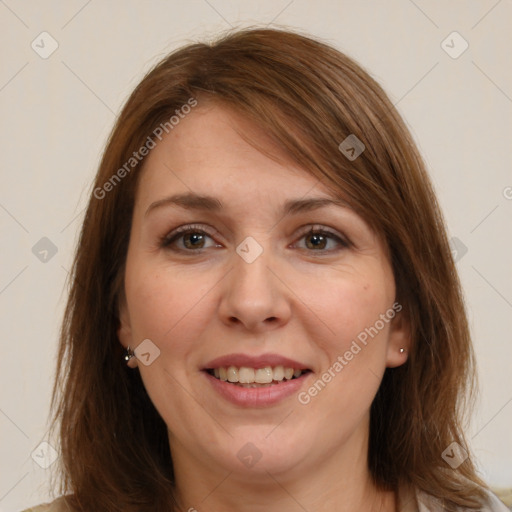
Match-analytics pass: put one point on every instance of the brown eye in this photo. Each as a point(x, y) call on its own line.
point(187, 239)
point(320, 240)
point(193, 240)
point(316, 241)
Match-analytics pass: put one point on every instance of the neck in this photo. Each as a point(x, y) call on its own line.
point(339, 481)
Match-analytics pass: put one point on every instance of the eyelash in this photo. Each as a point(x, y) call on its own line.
point(167, 240)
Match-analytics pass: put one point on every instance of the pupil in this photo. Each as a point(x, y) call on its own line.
point(193, 238)
point(317, 240)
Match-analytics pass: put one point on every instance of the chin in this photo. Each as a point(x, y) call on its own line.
point(261, 451)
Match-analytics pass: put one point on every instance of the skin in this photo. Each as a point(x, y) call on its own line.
point(297, 300)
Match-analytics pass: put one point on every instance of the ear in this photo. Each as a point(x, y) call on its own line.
point(124, 331)
point(399, 343)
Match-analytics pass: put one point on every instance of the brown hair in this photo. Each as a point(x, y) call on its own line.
point(114, 444)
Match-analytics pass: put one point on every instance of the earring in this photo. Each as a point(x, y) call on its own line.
point(402, 350)
point(128, 354)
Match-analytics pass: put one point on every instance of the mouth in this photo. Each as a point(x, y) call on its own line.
point(248, 377)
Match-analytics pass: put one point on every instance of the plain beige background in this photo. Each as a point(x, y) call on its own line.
point(56, 113)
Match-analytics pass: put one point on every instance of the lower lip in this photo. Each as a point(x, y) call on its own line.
point(257, 397)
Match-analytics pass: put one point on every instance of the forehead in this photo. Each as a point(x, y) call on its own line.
point(216, 148)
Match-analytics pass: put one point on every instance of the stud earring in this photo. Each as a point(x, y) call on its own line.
point(402, 350)
point(128, 354)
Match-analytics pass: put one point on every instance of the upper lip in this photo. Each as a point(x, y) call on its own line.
point(260, 361)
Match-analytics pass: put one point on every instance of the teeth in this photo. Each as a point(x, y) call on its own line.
point(264, 375)
point(278, 373)
point(232, 374)
point(252, 377)
point(288, 373)
point(246, 375)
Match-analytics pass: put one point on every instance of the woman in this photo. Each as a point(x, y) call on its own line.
point(264, 251)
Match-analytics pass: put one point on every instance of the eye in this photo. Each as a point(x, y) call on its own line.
point(194, 238)
point(187, 239)
point(318, 239)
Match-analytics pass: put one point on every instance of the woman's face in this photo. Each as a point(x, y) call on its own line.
point(248, 285)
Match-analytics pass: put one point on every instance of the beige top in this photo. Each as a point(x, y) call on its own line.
point(408, 501)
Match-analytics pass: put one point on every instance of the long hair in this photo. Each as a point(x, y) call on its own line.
point(309, 98)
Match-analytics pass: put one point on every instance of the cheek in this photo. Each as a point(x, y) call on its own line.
point(352, 338)
point(354, 357)
point(172, 310)
point(345, 306)
point(362, 307)
point(167, 307)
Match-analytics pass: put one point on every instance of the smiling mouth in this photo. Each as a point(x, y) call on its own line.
point(256, 377)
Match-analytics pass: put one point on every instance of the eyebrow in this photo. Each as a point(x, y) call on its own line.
point(192, 201)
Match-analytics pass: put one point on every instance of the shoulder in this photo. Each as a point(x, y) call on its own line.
point(427, 503)
point(505, 495)
point(59, 505)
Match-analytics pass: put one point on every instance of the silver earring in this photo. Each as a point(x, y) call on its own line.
point(402, 350)
point(128, 354)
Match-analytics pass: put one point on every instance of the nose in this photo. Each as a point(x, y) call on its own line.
point(254, 295)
